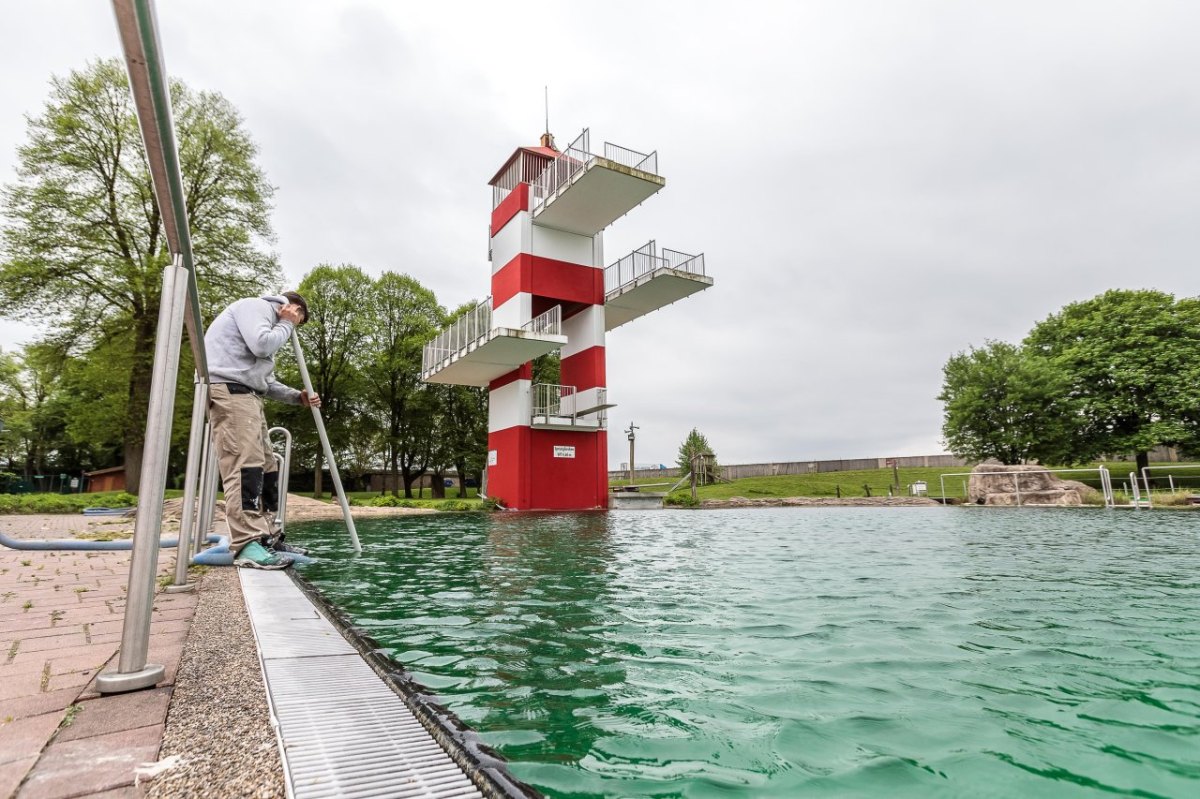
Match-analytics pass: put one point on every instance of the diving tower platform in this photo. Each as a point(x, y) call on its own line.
point(473, 353)
point(644, 281)
point(583, 193)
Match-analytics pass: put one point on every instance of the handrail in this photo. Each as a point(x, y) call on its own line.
point(645, 260)
point(468, 329)
point(576, 158)
point(476, 325)
point(552, 399)
point(138, 27)
point(631, 158)
point(548, 323)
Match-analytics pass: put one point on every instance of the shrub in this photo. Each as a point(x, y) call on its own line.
point(64, 503)
point(682, 499)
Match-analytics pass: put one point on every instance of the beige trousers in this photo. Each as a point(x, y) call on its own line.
point(249, 472)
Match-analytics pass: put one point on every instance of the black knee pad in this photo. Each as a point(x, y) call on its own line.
point(252, 488)
point(270, 492)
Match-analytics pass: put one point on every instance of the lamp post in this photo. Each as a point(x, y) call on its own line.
point(631, 435)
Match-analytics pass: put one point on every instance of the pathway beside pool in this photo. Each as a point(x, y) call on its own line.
point(61, 615)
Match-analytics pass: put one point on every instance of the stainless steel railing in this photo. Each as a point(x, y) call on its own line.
point(548, 323)
point(631, 158)
point(553, 400)
point(644, 260)
point(468, 329)
point(576, 158)
point(475, 326)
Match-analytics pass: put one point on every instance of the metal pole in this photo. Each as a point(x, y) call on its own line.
point(1017, 486)
point(632, 435)
point(1146, 480)
point(333, 470)
point(1136, 496)
point(285, 472)
point(187, 519)
point(133, 672)
point(209, 478)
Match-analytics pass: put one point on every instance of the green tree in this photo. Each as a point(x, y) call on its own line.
point(548, 368)
point(82, 246)
point(695, 453)
point(1001, 402)
point(1132, 362)
point(404, 315)
point(338, 297)
point(34, 430)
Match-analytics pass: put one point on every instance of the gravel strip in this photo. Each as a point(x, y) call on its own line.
point(219, 724)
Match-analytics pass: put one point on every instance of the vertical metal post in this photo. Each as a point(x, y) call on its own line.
point(210, 477)
point(320, 423)
point(632, 436)
point(1017, 486)
point(285, 471)
point(1136, 496)
point(133, 672)
point(1171, 480)
point(187, 520)
point(1146, 481)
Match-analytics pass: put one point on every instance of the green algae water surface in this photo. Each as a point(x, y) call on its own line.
point(840, 652)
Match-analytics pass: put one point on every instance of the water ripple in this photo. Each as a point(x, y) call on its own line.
point(814, 652)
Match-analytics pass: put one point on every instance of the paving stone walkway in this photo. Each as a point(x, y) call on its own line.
point(61, 615)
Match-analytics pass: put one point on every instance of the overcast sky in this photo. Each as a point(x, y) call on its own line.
point(875, 185)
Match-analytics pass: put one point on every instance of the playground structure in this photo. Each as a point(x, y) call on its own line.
point(548, 443)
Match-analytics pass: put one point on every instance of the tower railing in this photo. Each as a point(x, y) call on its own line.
point(553, 401)
point(575, 158)
point(468, 329)
point(548, 323)
point(632, 158)
point(645, 260)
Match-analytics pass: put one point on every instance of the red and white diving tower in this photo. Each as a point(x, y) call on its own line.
point(548, 443)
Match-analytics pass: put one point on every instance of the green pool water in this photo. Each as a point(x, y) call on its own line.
point(799, 652)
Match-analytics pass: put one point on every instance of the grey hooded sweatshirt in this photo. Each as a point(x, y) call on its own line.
point(241, 344)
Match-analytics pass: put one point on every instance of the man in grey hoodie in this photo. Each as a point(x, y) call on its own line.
point(241, 344)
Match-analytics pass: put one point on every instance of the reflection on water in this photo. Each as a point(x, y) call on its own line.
point(814, 652)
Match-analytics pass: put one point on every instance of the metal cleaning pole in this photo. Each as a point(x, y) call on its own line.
point(133, 672)
point(187, 520)
point(333, 470)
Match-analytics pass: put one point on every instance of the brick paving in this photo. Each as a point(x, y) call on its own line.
point(61, 615)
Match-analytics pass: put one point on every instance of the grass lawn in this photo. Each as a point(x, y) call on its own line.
point(851, 483)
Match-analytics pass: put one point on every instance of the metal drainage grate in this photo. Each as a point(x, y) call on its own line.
point(342, 731)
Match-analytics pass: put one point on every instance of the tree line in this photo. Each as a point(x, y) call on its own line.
point(82, 249)
point(1118, 374)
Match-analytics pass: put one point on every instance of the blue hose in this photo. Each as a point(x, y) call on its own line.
point(38, 544)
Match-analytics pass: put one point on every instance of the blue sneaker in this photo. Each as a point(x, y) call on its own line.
point(254, 556)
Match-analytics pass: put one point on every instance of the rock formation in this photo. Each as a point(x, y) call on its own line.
point(994, 483)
